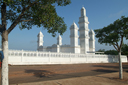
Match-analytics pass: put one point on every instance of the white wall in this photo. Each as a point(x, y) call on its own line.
point(66, 49)
point(34, 57)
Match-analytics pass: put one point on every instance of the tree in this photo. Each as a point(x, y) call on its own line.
point(27, 13)
point(111, 52)
point(124, 49)
point(114, 34)
point(101, 50)
point(108, 52)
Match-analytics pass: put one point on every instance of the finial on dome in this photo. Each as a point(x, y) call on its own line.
point(91, 32)
point(40, 33)
point(83, 11)
point(73, 21)
point(73, 26)
point(59, 37)
point(82, 6)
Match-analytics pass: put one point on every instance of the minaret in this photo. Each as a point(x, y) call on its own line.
point(92, 41)
point(83, 31)
point(73, 35)
point(59, 40)
point(40, 39)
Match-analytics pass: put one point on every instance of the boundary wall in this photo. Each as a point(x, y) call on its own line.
point(21, 57)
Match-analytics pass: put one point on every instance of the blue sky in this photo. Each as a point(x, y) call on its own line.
point(100, 13)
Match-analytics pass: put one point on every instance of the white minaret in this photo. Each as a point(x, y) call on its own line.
point(92, 41)
point(59, 40)
point(73, 35)
point(83, 32)
point(40, 39)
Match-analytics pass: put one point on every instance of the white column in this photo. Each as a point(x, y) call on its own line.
point(59, 40)
point(40, 40)
point(73, 35)
point(83, 31)
point(92, 41)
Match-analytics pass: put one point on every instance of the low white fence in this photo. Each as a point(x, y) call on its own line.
point(21, 57)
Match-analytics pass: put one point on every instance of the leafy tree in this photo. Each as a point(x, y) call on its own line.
point(114, 34)
point(27, 13)
point(111, 52)
point(124, 49)
point(101, 50)
point(108, 52)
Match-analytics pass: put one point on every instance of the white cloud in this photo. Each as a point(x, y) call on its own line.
point(118, 14)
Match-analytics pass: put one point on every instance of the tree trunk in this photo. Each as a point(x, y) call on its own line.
point(5, 59)
point(120, 66)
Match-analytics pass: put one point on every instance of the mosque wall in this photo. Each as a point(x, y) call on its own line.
point(21, 57)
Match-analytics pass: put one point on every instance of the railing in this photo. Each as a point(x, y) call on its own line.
point(21, 57)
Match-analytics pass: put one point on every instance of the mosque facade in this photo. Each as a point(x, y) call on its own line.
point(86, 39)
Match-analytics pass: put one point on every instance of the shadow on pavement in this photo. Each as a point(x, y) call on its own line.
point(105, 71)
point(125, 67)
point(44, 75)
point(40, 73)
point(36, 74)
point(47, 75)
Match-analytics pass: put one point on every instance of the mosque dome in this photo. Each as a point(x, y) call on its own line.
point(73, 26)
point(91, 32)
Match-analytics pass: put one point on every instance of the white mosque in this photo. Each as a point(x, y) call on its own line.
point(86, 39)
point(80, 50)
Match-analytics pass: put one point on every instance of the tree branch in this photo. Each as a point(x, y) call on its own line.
point(115, 47)
point(19, 18)
point(121, 42)
point(3, 18)
point(26, 20)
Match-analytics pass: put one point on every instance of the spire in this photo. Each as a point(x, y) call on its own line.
point(73, 26)
point(92, 41)
point(59, 40)
point(83, 31)
point(40, 39)
point(40, 34)
point(73, 35)
point(91, 32)
point(59, 37)
point(83, 12)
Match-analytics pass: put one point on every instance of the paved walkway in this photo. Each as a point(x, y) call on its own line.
point(71, 74)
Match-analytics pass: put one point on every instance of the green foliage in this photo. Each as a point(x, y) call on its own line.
point(113, 33)
point(124, 49)
point(101, 50)
point(41, 13)
point(108, 52)
point(111, 52)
